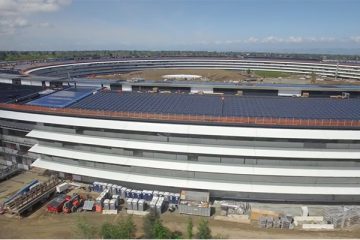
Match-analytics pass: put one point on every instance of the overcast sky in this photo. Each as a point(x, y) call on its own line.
point(230, 25)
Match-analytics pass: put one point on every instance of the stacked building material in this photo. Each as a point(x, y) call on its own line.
point(195, 203)
point(262, 222)
point(285, 222)
point(256, 213)
point(23, 202)
point(22, 191)
point(234, 207)
point(342, 216)
point(269, 222)
point(88, 205)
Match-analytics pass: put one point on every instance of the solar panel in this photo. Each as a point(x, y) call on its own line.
point(211, 105)
point(63, 98)
point(10, 92)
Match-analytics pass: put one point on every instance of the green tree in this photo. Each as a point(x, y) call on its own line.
point(128, 227)
point(204, 231)
point(154, 229)
point(189, 228)
point(108, 231)
point(160, 231)
point(124, 229)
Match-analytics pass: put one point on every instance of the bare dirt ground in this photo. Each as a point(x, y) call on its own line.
point(41, 224)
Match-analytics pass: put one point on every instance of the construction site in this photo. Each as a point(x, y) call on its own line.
point(36, 204)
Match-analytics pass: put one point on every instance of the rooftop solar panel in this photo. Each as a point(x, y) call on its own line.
point(63, 98)
point(10, 92)
point(237, 106)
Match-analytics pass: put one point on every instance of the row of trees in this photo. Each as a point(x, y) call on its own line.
point(153, 228)
point(103, 54)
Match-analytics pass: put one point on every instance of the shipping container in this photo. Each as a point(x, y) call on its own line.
point(62, 187)
point(194, 210)
point(188, 195)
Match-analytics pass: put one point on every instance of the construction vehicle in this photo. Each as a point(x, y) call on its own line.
point(73, 204)
point(56, 205)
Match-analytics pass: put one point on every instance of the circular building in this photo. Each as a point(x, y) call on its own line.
point(267, 148)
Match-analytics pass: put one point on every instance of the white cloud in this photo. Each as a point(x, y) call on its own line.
point(14, 13)
point(251, 40)
point(16, 7)
point(8, 26)
point(295, 39)
point(272, 39)
point(355, 39)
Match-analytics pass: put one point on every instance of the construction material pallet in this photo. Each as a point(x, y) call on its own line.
point(37, 194)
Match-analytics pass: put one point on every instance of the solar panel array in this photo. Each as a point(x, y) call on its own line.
point(10, 92)
point(154, 103)
point(240, 106)
point(63, 98)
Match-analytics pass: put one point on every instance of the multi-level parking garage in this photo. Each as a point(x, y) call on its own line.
point(244, 147)
point(107, 67)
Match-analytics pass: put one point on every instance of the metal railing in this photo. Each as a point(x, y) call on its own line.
point(262, 121)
